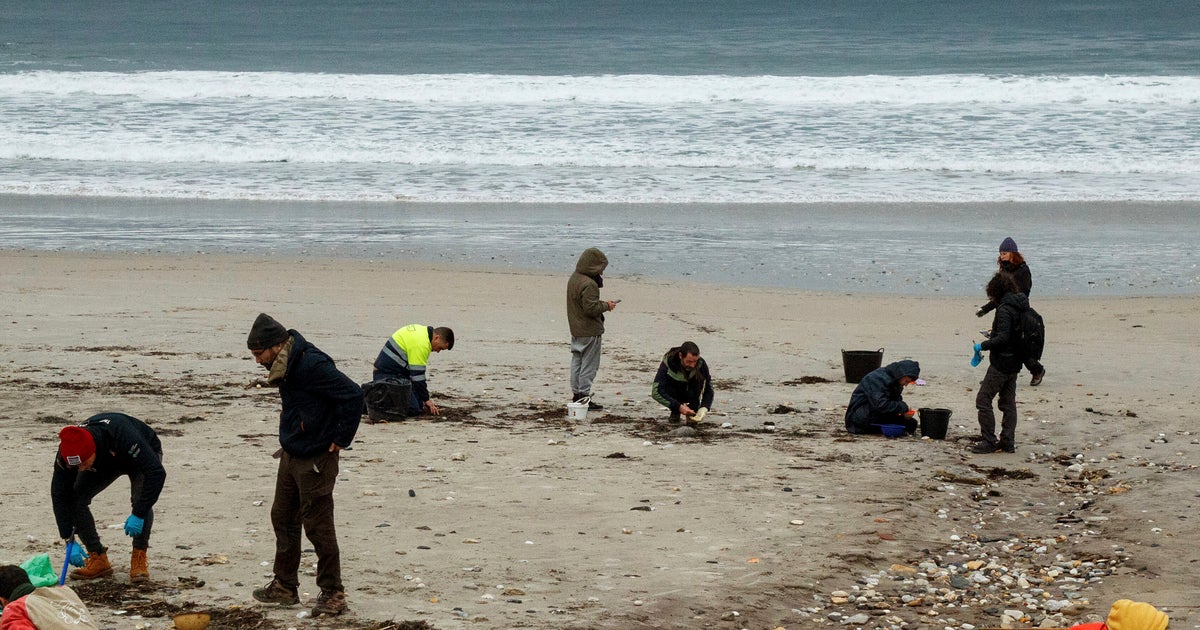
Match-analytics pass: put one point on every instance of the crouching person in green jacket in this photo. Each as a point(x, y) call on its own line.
point(683, 384)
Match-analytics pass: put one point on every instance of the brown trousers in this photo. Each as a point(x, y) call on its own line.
point(304, 498)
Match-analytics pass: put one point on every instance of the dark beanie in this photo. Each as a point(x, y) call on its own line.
point(1008, 245)
point(265, 332)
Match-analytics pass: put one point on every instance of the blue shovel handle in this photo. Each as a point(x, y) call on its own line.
point(62, 579)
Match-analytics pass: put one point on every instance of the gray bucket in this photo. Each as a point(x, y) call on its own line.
point(859, 363)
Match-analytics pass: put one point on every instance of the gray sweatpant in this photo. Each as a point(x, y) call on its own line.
point(585, 362)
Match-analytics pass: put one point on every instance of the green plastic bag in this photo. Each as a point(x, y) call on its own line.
point(40, 572)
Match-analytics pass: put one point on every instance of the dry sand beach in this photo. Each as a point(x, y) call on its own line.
point(501, 514)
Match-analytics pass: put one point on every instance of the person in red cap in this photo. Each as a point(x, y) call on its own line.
point(90, 457)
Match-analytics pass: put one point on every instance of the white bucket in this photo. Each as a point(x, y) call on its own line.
point(577, 410)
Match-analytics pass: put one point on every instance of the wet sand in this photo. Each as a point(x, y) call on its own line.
point(523, 519)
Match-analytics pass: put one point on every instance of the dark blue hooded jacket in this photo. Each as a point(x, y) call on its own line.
point(321, 406)
point(878, 396)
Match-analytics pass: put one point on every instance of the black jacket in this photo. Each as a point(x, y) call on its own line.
point(1003, 345)
point(1020, 276)
point(879, 394)
point(124, 445)
point(321, 406)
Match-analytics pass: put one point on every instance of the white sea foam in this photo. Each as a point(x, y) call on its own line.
point(599, 138)
point(643, 89)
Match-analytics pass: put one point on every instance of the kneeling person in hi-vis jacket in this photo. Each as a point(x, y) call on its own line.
point(404, 359)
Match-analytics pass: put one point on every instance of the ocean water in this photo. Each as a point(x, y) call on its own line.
point(386, 111)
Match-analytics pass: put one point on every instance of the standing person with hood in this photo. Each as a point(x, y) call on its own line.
point(585, 316)
point(321, 411)
point(45, 608)
point(1011, 262)
point(1004, 364)
point(683, 384)
point(90, 457)
point(878, 399)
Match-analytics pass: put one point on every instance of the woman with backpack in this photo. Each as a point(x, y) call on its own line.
point(1011, 262)
point(1004, 364)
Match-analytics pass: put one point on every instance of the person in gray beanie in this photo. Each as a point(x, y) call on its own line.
point(321, 411)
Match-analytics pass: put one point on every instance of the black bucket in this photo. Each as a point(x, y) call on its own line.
point(387, 401)
point(934, 422)
point(859, 363)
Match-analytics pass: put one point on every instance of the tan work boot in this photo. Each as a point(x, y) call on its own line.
point(96, 566)
point(139, 568)
point(329, 603)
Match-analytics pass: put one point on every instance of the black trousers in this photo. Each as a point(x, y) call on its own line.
point(996, 383)
point(88, 484)
point(304, 499)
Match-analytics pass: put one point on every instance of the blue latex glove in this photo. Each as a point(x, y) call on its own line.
point(134, 525)
point(978, 348)
point(76, 554)
point(976, 358)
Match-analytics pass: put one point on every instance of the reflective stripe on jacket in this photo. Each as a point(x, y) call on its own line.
point(406, 355)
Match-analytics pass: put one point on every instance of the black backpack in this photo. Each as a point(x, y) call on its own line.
point(1031, 335)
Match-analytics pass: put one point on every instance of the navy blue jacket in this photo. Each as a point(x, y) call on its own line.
point(879, 394)
point(124, 445)
point(321, 406)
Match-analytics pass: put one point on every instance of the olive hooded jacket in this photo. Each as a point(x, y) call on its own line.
point(585, 309)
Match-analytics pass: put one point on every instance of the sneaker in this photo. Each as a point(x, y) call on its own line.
point(594, 406)
point(96, 566)
point(983, 448)
point(1037, 378)
point(1007, 449)
point(276, 593)
point(330, 603)
point(139, 567)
